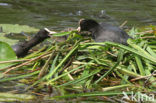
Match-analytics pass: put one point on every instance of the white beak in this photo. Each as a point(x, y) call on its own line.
point(78, 29)
point(50, 32)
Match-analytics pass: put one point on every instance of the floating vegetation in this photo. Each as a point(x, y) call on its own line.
point(9, 97)
point(81, 68)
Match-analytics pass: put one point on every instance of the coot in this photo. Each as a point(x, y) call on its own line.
point(103, 31)
point(21, 49)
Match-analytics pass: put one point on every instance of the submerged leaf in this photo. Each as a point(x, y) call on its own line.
point(16, 28)
point(7, 40)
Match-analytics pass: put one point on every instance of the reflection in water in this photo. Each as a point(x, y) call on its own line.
point(60, 14)
point(3, 4)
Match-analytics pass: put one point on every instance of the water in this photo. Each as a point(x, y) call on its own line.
point(61, 14)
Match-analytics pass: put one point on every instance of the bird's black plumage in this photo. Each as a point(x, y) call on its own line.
point(21, 49)
point(103, 31)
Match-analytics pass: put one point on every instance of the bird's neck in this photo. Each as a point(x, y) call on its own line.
point(34, 41)
point(94, 31)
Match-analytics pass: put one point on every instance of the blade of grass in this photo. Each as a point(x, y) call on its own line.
point(89, 95)
point(52, 67)
point(151, 51)
point(140, 66)
point(64, 60)
point(124, 70)
point(150, 58)
point(58, 66)
point(54, 79)
point(142, 51)
point(116, 87)
point(44, 69)
point(80, 79)
point(19, 77)
point(123, 77)
point(120, 56)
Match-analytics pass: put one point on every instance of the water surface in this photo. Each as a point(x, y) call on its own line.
point(61, 14)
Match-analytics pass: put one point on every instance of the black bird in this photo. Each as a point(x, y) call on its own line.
point(21, 49)
point(103, 31)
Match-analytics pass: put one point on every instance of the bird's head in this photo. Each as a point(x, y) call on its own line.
point(87, 24)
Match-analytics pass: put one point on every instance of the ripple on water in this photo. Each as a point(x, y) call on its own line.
point(4, 4)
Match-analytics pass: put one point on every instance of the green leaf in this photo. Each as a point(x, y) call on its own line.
point(61, 34)
point(16, 28)
point(6, 54)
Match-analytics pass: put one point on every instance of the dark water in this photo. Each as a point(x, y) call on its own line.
point(61, 14)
